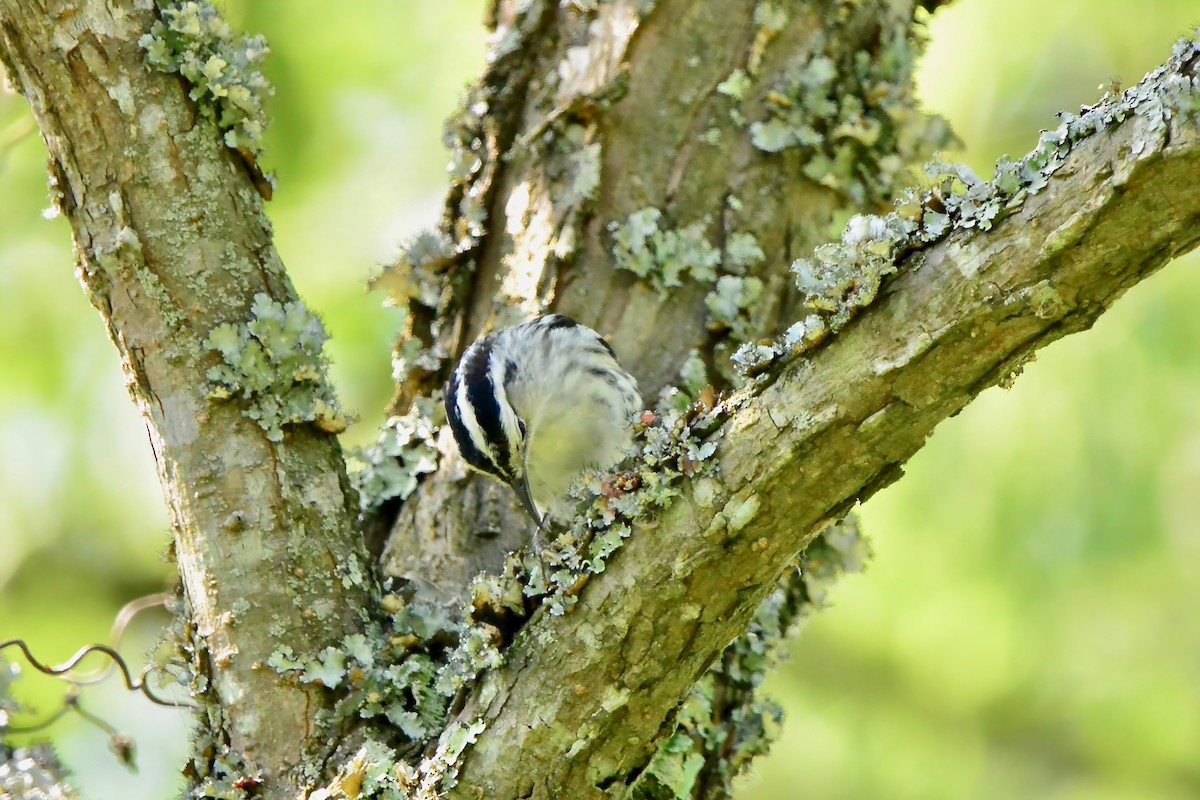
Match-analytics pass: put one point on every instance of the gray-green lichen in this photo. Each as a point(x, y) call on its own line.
point(735, 294)
point(852, 116)
point(663, 258)
point(432, 654)
point(217, 770)
point(730, 301)
point(417, 283)
point(192, 39)
point(180, 656)
point(837, 281)
point(371, 772)
point(677, 446)
point(400, 670)
point(725, 722)
point(735, 86)
point(742, 250)
point(273, 363)
point(27, 772)
point(841, 279)
point(584, 160)
point(694, 378)
point(410, 669)
point(405, 667)
point(406, 449)
point(376, 772)
point(415, 274)
point(466, 137)
point(32, 773)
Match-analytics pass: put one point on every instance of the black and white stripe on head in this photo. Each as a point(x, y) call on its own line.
point(475, 414)
point(552, 321)
point(548, 383)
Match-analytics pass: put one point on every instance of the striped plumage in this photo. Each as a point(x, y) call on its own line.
point(535, 404)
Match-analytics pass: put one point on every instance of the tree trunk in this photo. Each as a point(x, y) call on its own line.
point(656, 170)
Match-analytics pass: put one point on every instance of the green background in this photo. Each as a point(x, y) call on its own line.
point(1028, 627)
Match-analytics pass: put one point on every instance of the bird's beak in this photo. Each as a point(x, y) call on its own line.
point(521, 487)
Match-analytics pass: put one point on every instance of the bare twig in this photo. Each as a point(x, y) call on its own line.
point(138, 684)
point(117, 633)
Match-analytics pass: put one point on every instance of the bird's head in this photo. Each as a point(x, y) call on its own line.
point(535, 404)
point(490, 433)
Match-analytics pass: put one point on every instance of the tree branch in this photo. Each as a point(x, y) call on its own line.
point(986, 277)
point(175, 252)
point(587, 125)
point(558, 173)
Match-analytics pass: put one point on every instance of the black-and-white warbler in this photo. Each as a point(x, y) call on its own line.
point(536, 404)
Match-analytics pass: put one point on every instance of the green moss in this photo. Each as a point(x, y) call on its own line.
point(193, 40)
point(274, 364)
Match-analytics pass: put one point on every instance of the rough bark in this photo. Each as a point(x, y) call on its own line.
point(648, 97)
point(173, 246)
point(581, 696)
point(172, 242)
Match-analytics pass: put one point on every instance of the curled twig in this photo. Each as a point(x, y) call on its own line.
point(121, 745)
point(138, 684)
point(120, 623)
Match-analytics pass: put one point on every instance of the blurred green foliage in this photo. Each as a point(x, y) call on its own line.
point(1027, 628)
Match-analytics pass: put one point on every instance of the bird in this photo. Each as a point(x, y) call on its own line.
point(536, 404)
